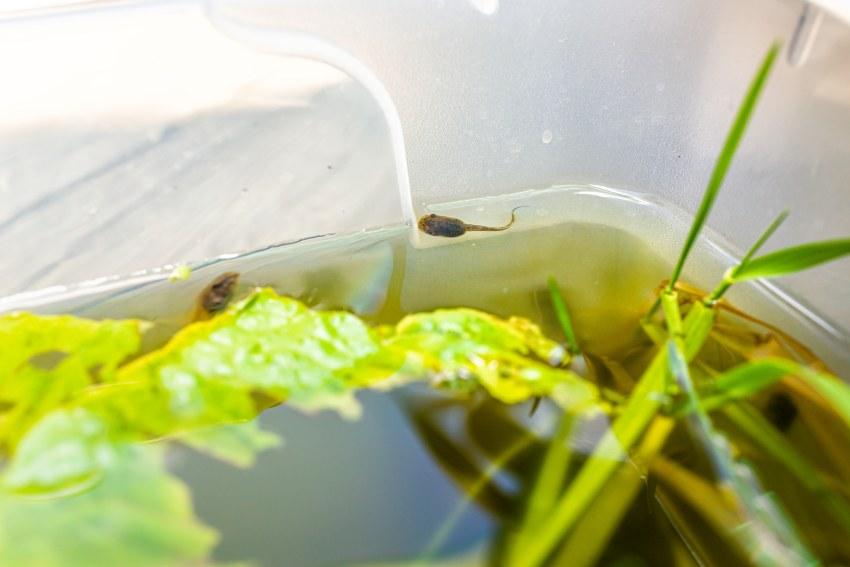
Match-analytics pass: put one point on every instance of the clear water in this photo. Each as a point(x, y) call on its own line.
point(344, 493)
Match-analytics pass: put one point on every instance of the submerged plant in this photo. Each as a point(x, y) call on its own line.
point(688, 419)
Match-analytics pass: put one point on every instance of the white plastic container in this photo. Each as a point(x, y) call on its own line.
point(143, 134)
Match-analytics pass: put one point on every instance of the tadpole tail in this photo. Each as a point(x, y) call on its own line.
point(478, 227)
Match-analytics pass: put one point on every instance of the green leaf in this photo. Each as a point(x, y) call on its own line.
point(462, 348)
point(556, 463)
point(269, 343)
point(600, 467)
point(235, 443)
point(67, 451)
point(591, 536)
point(563, 315)
point(791, 260)
point(746, 379)
point(766, 533)
point(138, 515)
point(724, 160)
point(49, 360)
point(94, 343)
point(832, 389)
point(728, 281)
point(762, 433)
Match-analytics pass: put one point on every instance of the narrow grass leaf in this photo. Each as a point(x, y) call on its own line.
point(745, 380)
point(791, 260)
point(599, 468)
point(560, 307)
point(724, 160)
point(765, 531)
point(589, 540)
point(547, 488)
point(728, 279)
point(764, 435)
point(831, 388)
point(447, 527)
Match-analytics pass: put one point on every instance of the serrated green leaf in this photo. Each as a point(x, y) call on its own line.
point(463, 348)
point(47, 361)
point(105, 343)
point(791, 260)
point(267, 343)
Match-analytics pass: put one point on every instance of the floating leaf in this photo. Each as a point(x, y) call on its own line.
point(267, 342)
point(462, 348)
point(235, 443)
point(46, 361)
point(94, 343)
point(138, 515)
point(66, 451)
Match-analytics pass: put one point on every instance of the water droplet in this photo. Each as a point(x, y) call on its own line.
point(547, 136)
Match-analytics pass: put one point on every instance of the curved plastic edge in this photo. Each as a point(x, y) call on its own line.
point(299, 44)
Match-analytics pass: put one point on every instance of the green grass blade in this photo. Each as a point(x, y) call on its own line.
point(769, 440)
point(792, 260)
point(640, 409)
point(670, 306)
point(560, 307)
point(768, 232)
point(728, 278)
point(584, 546)
point(733, 138)
point(745, 380)
point(766, 532)
point(599, 468)
point(832, 389)
point(445, 530)
point(555, 466)
point(698, 324)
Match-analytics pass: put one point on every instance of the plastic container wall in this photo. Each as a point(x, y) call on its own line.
point(138, 135)
point(474, 98)
point(494, 97)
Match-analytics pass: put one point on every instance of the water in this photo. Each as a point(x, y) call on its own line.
point(331, 473)
point(379, 489)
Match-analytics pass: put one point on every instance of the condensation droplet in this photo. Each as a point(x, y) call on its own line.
point(547, 136)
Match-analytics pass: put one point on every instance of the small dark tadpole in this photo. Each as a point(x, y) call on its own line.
point(781, 411)
point(450, 227)
point(218, 294)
